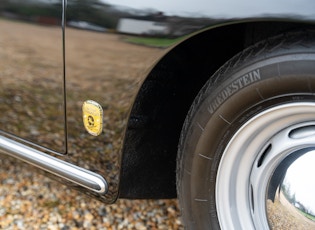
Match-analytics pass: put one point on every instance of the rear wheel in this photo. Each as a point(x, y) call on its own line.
point(252, 122)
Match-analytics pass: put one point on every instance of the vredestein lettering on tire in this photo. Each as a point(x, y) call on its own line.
point(244, 115)
point(235, 86)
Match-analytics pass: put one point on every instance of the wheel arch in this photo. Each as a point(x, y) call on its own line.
point(148, 163)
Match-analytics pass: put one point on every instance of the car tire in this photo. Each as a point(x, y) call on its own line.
point(250, 121)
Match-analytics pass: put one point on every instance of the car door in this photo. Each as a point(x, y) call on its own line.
point(32, 73)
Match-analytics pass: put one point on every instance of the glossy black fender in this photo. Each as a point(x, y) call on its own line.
point(144, 90)
point(164, 99)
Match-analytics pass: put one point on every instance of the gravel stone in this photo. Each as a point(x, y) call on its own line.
point(30, 200)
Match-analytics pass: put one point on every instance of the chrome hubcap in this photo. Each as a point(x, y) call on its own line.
point(255, 172)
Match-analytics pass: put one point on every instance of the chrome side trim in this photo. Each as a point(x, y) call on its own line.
point(70, 172)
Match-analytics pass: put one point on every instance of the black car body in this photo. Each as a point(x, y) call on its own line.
point(96, 93)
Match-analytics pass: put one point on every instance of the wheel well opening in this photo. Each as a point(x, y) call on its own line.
point(156, 119)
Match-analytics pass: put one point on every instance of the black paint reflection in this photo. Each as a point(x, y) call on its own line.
point(31, 72)
point(102, 67)
point(102, 64)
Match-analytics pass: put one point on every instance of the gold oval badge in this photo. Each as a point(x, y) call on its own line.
point(92, 117)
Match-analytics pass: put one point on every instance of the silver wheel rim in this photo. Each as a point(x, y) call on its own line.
point(253, 155)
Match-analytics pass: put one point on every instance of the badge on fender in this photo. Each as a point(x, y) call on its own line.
point(92, 117)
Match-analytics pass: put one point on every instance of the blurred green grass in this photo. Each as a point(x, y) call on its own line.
point(153, 42)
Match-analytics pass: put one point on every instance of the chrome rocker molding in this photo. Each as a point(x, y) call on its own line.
point(70, 172)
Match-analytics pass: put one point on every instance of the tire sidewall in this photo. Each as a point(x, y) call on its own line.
point(229, 99)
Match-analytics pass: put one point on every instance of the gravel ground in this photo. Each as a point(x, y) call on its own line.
point(29, 200)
